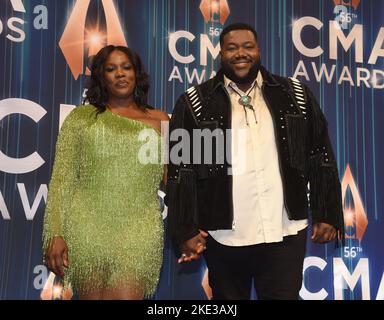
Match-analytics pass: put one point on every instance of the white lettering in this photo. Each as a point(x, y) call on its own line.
point(296, 36)
point(301, 71)
point(183, 145)
point(33, 111)
point(336, 33)
point(41, 278)
point(304, 292)
point(362, 76)
point(149, 151)
point(14, 28)
point(65, 110)
point(378, 48)
point(18, 6)
point(323, 71)
point(342, 276)
point(41, 194)
point(3, 208)
point(195, 75)
point(206, 45)
point(346, 76)
point(175, 74)
point(41, 20)
point(365, 78)
point(380, 291)
point(377, 76)
point(174, 37)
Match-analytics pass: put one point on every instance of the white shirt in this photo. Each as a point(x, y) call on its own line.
point(258, 201)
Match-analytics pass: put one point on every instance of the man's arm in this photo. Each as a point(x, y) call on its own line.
point(325, 188)
point(181, 177)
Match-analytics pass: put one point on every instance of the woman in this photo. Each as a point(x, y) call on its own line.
point(102, 220)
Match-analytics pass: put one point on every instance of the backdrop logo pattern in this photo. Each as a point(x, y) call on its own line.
point(33, 111)
point(14, 27)
point(349, 3)
point(214, 10)
point(53, 289)
point(355, 217)
point(335, 47)
point(73, 43)
point(343, 12)
point(18, 6)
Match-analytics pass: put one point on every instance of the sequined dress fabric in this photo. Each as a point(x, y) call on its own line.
point(103, 201)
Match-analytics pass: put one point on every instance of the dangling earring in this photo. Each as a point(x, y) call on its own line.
point(136, 92)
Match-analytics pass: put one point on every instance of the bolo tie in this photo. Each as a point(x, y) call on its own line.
point(245, 101)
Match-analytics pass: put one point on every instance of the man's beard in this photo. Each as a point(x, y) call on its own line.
point(249, 78)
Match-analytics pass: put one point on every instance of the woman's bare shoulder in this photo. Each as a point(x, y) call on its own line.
point(159, 115)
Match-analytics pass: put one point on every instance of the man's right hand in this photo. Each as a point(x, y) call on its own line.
point(192, 248)
point(56, 256)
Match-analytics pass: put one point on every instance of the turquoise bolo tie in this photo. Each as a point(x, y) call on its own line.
point(245, 101)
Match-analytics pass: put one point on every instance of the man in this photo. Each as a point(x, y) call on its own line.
point(248, 213)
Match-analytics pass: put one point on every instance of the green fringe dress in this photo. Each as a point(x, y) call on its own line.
point(103, 201)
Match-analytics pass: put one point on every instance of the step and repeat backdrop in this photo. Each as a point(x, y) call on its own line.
point(334, 46)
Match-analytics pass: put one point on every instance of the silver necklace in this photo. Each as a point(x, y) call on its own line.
point(245, 101)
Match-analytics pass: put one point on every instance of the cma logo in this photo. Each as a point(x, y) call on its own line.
point(348, 3)
point(212, 11)
point(13, 27)
point(32, 162)
point(336, 36)
point(215, 11)
point(355, 217)
point(76, 40)
point(35, 112)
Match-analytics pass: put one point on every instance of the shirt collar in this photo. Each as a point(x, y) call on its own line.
point(228, 83)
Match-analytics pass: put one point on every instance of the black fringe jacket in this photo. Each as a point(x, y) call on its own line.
point(199, 196)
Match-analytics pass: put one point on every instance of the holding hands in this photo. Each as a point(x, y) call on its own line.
point(323, 232)
point(192, 248)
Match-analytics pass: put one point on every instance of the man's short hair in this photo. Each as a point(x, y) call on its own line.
point(236, 26)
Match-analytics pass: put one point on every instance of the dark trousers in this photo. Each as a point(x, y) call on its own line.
point(276, 269)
